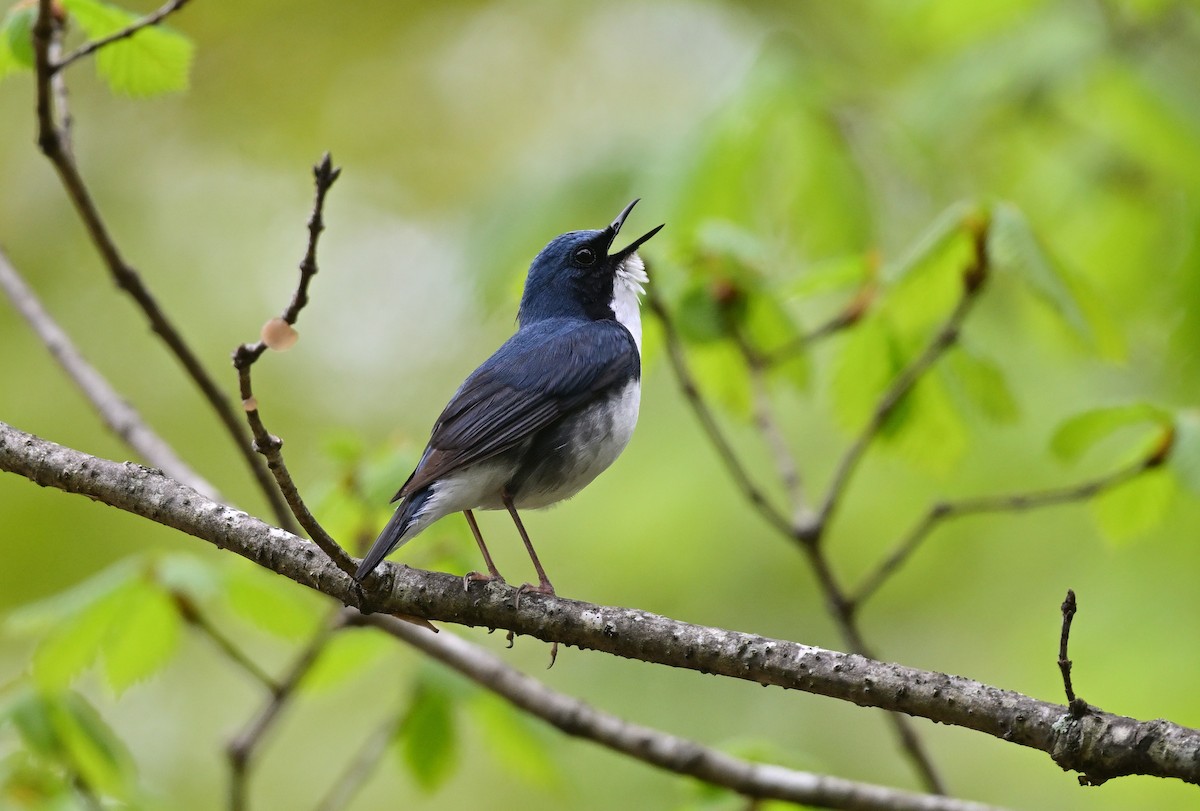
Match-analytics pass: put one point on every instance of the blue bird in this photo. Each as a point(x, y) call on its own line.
point(549, 411)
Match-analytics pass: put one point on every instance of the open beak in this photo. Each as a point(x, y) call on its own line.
point(615, 229)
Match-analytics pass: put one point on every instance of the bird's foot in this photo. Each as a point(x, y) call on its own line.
point(480, 577)
point(543, 587)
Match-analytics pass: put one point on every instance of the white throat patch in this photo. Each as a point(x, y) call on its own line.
point(627, 287)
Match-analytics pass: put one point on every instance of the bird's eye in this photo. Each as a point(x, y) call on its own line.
point(584, 257)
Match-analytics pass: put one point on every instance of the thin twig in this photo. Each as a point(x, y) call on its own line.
point(708, 422)
point(191, 615)
point(1069, 606)
point(658, 748)
point(149, 20)
point(324, 174)
point(769, 425)
point(1013, 502)
point(120, 417)
point(46, 28)
point(973, 279)
point(360, 768)
point(243, 747)
point(847, 317)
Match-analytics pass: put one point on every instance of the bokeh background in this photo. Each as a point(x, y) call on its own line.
point(470, 133)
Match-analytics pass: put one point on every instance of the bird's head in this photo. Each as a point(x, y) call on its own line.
point(579, 274)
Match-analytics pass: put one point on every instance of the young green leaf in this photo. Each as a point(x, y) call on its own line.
point(273, 603)
point(47, 614)
point(76, 642)
point(427, 737)
point(926, 429)
point(516, 743)
point(16, 39)
point(1135, 507)
point(1184, 459)
point(864, 366)
point(348, 653)
point(983, 382)
point(143, 639)
point(1015, 249)
point(721, 374)
point(153, 61)
point(1080, 433)
point(91, 746)
point(828, 276)
point(63, 728)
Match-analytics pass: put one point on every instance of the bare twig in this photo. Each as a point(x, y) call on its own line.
point(191, 614)
point(120, 417)
point(50, 139)
point(973, 281)
point(660, 749)
point(708, 422)
point(244, 357)
point(1078, 706)
point(847, 317)
point(360, 768)
point(1014, 502)
point(1101, 745)
point(89, 48)
point(243, 747)
point(769, 425)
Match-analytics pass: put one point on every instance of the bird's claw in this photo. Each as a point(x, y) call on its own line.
point(480, 577)
point(526, 588)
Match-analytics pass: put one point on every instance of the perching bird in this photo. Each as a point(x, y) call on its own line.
point(549, 411)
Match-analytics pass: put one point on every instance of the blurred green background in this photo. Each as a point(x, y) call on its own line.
point(471, 133)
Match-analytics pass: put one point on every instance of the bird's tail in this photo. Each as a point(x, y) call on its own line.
point(404, 524)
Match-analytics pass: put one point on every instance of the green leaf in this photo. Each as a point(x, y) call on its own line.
point(926, 429)
point(428, 738)
point(348, 653)
point(1184, 458)
point(828, 276)
point(44, 615)
point(1077, 435)
point(983, 382)
point(143, 639)
point(65, 729)
point(721, 374)
point(189, 575)
point(864, 366)
point(512, 739)
point(767, 328)
point(1135, 507)
point(272, 602)
point(1015, 249)
point(91, 746)
point(153, 61)
point(16, 40)
point(76, 642)
point(945, 230)
point(698, 317)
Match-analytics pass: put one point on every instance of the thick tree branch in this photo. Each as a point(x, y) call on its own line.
point(50, 138)
point(574, 717)
point(1099, 745)
point(120, 417)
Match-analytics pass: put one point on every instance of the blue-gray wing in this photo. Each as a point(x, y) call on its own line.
point(544, 372)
